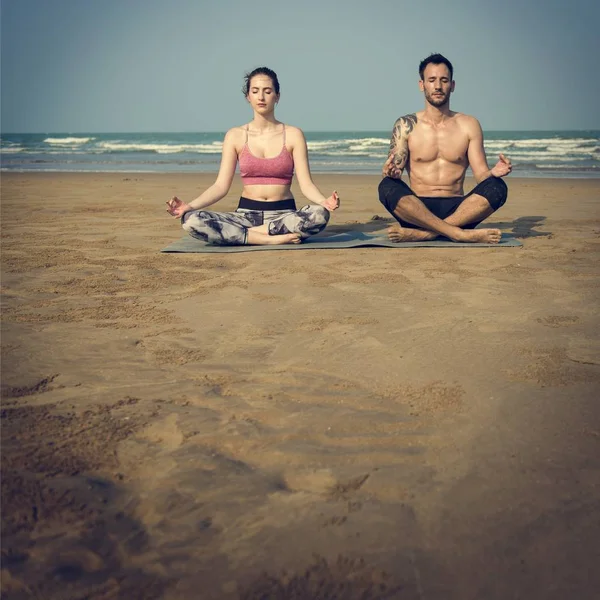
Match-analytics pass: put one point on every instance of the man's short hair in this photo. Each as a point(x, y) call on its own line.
point(436, 59)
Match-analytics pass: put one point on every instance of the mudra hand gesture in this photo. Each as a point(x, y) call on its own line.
point(391, 169)
point(332, 202)
point(502, 167)
point(177, 207)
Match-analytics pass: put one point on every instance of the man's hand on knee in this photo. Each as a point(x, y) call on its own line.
point(502, 167)
point(391, 169)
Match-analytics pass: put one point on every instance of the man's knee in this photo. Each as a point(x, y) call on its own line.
point(494, 190)
point(391, 191)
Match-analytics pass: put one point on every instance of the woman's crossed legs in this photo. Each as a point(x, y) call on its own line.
point(255, 227)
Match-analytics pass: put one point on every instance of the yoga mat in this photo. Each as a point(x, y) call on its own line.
point(335, 241)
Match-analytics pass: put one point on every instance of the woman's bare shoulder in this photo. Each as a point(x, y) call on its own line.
point(236, 136)
point(294, 133)
point(236, 132)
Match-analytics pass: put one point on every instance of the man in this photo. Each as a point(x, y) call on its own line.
point(436, 146)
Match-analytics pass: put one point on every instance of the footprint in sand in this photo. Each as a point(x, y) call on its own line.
point(164, 432)
point(557, 321)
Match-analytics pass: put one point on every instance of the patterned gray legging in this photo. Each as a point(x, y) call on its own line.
point(231, 229)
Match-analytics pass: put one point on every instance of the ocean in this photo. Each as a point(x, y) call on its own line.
point(533, 153)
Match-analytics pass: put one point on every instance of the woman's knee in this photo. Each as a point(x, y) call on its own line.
point(306, 221)
point(316, 219)
point(322, 215)
point(203, 226)
point(195, 224)
point(192, 220)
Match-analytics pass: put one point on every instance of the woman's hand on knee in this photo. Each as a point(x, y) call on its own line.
point(177, 207)
point(332, 202)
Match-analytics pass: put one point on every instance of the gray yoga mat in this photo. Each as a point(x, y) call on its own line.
point(334, 241)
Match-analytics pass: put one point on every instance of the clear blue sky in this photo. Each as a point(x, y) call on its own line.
point(177, 65)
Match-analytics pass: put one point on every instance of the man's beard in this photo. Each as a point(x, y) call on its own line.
point(439, 101)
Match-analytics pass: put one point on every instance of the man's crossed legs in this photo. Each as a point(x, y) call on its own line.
point(422, 219)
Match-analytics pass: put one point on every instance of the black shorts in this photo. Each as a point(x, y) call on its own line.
point(391, 191)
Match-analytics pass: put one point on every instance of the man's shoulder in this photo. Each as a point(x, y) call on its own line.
point(466, 120)
point(405, 124)
point(409, 117)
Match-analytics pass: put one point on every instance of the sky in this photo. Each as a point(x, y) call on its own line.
point(76, 66)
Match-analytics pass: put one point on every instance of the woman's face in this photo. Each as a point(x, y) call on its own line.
point(261, 95)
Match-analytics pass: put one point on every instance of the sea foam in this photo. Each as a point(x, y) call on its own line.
point(213, 148)
point(68, 141)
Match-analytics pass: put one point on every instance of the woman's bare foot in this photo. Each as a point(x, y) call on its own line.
point(256, 238)
point(482, 236)
point(397, 233)
point(264, 228)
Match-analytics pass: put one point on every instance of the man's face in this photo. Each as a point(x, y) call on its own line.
point(437, 85)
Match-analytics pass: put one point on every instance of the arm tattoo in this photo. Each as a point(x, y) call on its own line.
point(399, 142)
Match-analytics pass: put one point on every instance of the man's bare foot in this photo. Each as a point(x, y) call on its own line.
point(397, 233)
point(481, 236)
point(256, 238)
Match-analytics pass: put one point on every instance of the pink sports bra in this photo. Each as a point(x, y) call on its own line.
point(278, 170)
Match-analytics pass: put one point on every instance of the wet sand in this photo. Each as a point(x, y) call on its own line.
point(364, 423)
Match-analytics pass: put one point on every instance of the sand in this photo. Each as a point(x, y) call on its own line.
point(363, 423)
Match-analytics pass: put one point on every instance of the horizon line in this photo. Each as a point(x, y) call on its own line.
point(305, 130)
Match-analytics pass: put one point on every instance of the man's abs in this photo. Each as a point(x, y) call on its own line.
point(437, 178)
point(437, 159)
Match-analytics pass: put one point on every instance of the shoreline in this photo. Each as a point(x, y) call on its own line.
point(578, 175)
point(572, 154)
point(212, 174)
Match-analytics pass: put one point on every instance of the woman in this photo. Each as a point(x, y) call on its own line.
point(268, 152)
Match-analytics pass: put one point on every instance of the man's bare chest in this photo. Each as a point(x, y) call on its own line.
point(426, 144)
